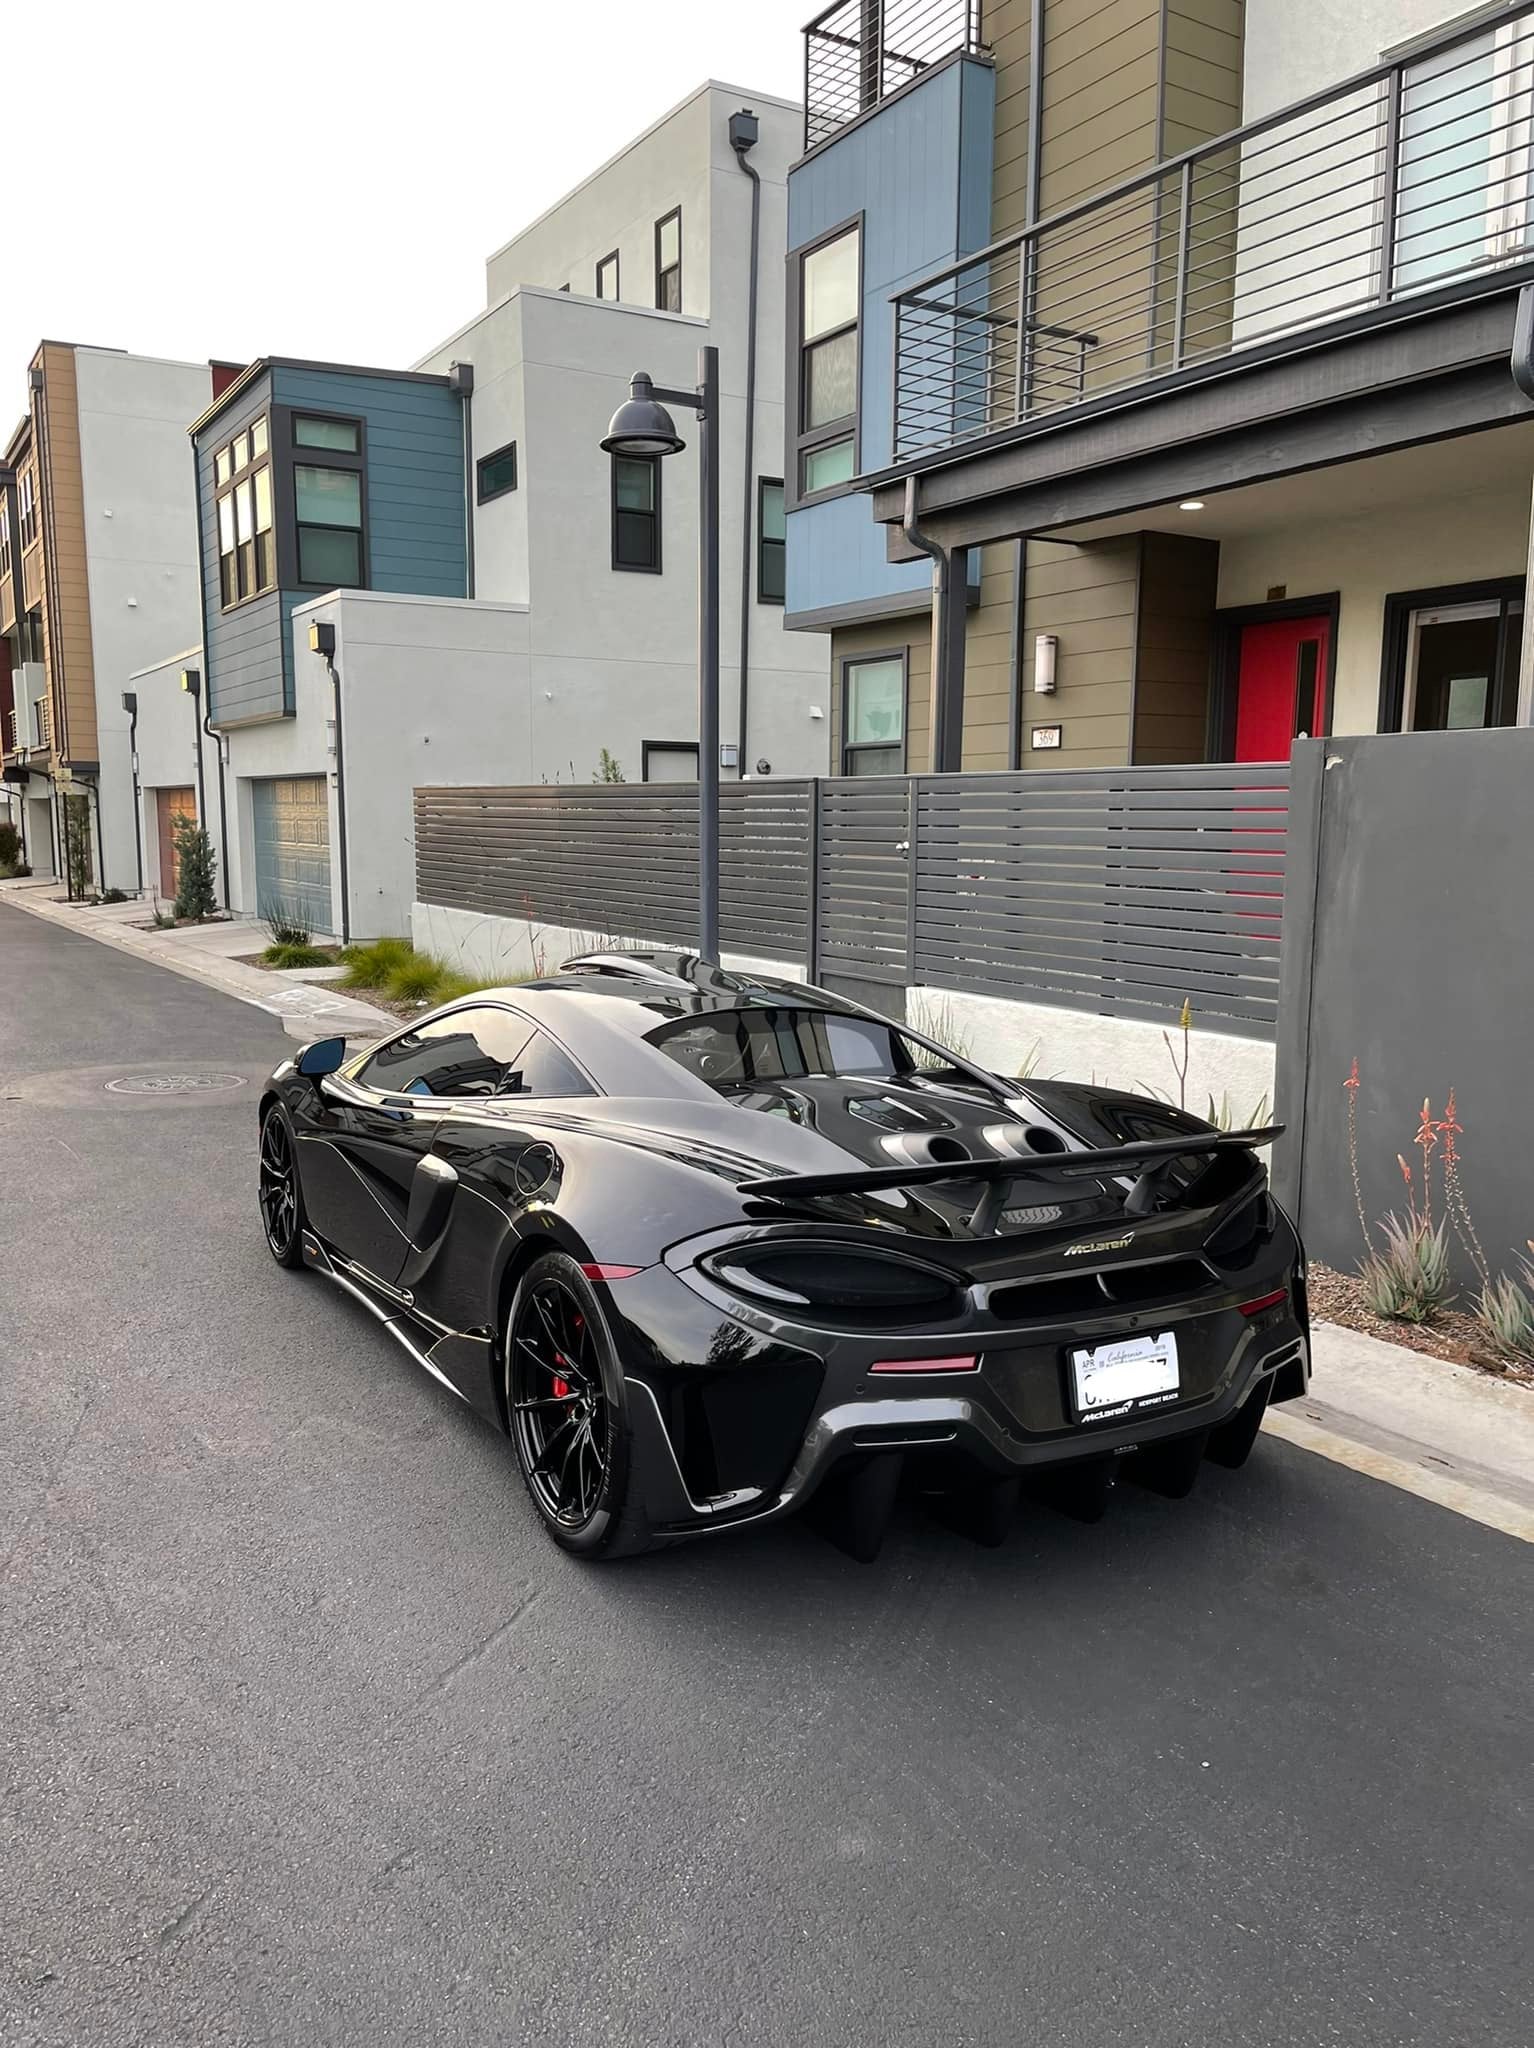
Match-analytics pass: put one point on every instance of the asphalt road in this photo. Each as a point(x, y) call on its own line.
point(309, 1736)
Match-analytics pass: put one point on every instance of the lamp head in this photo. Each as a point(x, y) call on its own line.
point(641, 426)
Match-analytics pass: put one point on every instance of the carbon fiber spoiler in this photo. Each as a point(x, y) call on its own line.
point(1146, 1157)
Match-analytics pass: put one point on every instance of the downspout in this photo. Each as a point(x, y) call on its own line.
point(322, 641)
point(942, 623)
point(130, 705)
point(460, 378)
point(223, 805)
point(93, 784)
point(743, 135)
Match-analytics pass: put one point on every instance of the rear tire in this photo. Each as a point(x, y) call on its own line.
point(567, 1412)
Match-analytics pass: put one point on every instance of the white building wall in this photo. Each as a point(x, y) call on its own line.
point(1297, 47)
point(615, 653)
point(1407, 545)
point(141, 548)
point(166, 744)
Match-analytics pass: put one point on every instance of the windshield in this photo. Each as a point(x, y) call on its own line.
point(735, 1048)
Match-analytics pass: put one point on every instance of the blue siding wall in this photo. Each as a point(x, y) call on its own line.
point(244, 651)
point(415, 473)
point(919, 171)
point(415, 508)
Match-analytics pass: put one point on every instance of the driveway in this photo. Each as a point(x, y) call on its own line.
point(311, 1737)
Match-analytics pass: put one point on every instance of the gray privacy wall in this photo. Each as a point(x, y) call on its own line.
point(1409, 945)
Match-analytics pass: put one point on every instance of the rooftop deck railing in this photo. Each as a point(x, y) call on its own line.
point(1418, 175)
point(858, 52)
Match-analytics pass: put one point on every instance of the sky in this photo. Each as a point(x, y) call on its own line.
point(322, 180)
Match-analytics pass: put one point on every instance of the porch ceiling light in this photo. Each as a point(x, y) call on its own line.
point(1191, 505)
point(642, 426)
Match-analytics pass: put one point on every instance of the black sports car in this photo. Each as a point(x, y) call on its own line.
point(709, 1247)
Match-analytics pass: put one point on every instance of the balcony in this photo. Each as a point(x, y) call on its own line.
point(859, 52)
point(1414, 179)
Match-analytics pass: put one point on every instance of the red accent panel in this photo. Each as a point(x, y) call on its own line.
point(1267, 712)
point(225, 374)
point(597, 1272)
point(1255, 1308)
point(970, 1364)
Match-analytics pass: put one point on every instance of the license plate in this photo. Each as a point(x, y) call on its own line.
point(1124, 1377)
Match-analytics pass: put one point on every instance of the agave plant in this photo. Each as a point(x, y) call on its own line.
point(1506, 1314)
point(1407, 1277)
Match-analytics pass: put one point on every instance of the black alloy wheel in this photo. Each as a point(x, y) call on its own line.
point(566, 1411)
point(282, 1201)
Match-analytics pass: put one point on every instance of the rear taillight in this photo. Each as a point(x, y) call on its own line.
point(966, 1364)
point(1265, 1301)
point(594, 1271)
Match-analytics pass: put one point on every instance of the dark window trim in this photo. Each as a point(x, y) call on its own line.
point(246, 473)
point(646, 747)
point(303, 450)
point(1220, 733)
point(660, 304)
point(286, 491)
point(602, 263)
point(1399, 606)
point(799, 442)
point(763, 485)
point(484, 497)
point(636, 568)
point(868, 657)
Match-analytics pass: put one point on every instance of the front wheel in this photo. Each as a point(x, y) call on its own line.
point(567, 1409)
point(282, 1198)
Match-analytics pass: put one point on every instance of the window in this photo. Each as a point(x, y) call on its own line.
point(328, 505)
point(497, 473)
point(668, 262)
point(770, 540)
point(607, 277)
point(247, 554)
point(474, 1052)
point(740, 1047)
point(873, 723)
point(5, 538)
point(469, 1052)
point(343, 437)
point(830, 286)
point(28, 508)
point(668, 760)
point(636, 513)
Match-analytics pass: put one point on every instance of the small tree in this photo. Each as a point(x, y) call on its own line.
point(10, 848)
point(608, 770)
point(196, 869)
point(77, 844)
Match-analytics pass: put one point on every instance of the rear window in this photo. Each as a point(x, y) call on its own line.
point(738, 1047)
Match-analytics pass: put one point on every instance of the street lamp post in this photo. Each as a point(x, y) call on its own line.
point(642, 428)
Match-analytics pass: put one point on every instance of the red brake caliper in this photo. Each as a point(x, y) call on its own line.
point(561, 1388)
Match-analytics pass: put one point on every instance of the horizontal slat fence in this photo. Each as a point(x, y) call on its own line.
point(1117, 891)
point(621, 859)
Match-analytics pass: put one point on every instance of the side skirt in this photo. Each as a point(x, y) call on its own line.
point(318, 1259)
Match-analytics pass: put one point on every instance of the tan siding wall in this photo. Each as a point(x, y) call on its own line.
point(1085, 596)
point(1008, 29)
point(1179, 580)
point(66, 612)
point(988, 664)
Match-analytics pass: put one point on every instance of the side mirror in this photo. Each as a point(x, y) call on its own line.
point(321, 1056)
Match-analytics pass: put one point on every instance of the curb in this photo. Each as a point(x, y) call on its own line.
point(299, 1007)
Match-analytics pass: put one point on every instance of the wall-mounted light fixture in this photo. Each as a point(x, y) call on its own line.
point(1191, 505)
point(1046, 652)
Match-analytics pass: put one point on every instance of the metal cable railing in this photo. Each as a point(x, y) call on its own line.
point(1416, 176)
point(858, 52)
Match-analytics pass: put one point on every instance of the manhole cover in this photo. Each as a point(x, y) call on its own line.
point(172, 1084)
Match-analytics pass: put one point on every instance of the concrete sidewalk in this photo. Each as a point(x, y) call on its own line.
point(1445, 1432)
point(208, 953)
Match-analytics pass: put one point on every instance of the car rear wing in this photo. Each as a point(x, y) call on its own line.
point(1148, 1160)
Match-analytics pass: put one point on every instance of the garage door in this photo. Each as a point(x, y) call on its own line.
point(292, 832)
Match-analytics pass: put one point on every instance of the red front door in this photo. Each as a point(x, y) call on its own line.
point(1281, 686)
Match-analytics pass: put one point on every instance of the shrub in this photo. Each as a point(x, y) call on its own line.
point(1506, 1314)
point(285, 953)
point(14, 871)
point(10, 846)
point(370, 965)
point(450, 986)
point(1406, 1277)
point(1223, 1116)
point(114, 895)
point(286, 928)
point(414, 979)
point(196, 869)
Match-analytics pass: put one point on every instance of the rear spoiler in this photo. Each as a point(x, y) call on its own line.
point(1148, 1157)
